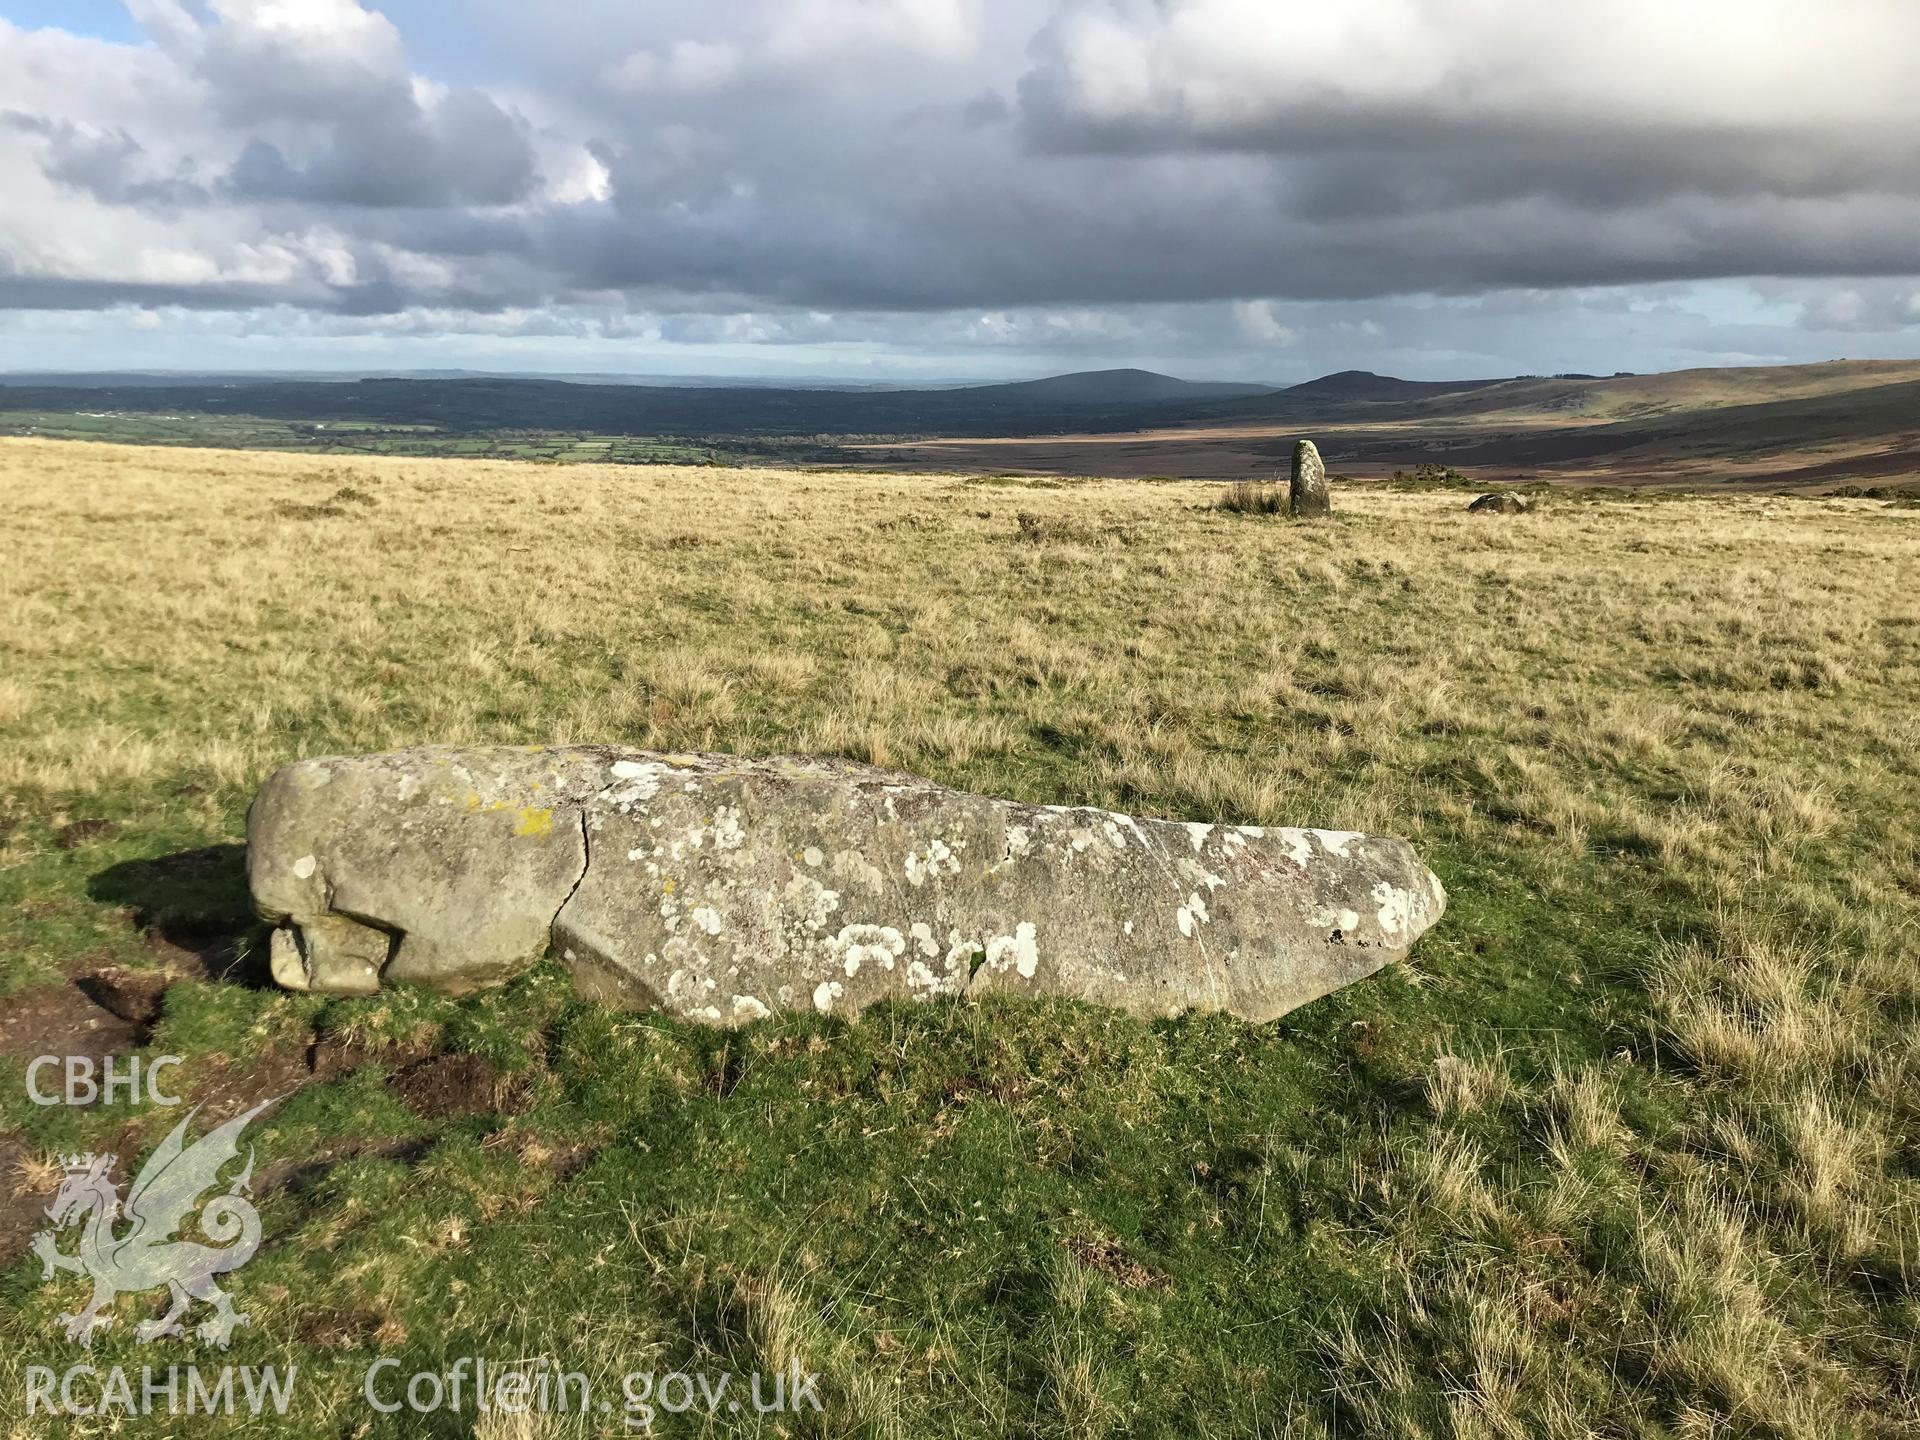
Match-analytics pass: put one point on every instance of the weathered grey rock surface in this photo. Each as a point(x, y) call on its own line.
point(1307, 493)
point(1500, 502)
point(441, 866)
point(723, 888)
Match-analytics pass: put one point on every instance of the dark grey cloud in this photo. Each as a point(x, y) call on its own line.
point(109, 164)
point(815, 163)
point(464, 150)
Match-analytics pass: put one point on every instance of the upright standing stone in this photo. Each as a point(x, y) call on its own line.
point(1307, 494)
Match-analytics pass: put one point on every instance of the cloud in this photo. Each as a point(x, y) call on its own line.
point(1863, 308)
point(281, 100)
point(1261, 325)
point(462, 149)
point(1746, 84)
point(842, 30)
point(1036, 176)
point(689, 67)
point(1503, 141)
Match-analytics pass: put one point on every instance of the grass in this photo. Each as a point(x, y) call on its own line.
point(1627, 1149)
point(1253, 497)
point(359, 437)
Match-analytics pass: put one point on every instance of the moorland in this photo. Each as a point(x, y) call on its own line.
point(1625, 1149)
point(1845, 424)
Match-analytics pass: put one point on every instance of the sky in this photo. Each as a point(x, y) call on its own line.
point(895, 190)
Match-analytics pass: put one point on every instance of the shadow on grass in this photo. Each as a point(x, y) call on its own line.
point(194, 902)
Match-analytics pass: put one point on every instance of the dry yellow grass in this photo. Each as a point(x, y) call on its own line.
point(1703, 713)
point(177, 610)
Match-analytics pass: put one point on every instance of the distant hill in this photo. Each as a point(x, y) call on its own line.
point(1113, 387)
point(1364, 385)
point(1677, 392)
point(1086, 387)
point(1361, 397)
point(1851, 422)
point(1101, 400)
point(1848, 422)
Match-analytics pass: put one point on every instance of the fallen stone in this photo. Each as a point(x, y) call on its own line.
point(1307, 493)
point(1500, 502)
point(440, 866)
point(724, 889)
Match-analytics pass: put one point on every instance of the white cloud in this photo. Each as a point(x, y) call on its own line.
point(1259, 323)
point(1286, 74)
point(1252, 176)
point(813, 30)
point(688, 67)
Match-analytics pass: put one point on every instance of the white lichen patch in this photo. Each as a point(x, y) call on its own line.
point(812, 856)
point(930, 863)
point(825, 993)
point(858, 945)
point(1198, 833)
point(1335, 842)
point(304, 867)
point(1192, 915)
point(1396, 907)
point(1116, 837)
point(707, 919)
point(638, 782)
point(923, 940)
point(806, 903)
point(727, 831)
point(749, 1007)
point(960, 950)
point(922, 982)
point(1019, 951)
point(1019, 842)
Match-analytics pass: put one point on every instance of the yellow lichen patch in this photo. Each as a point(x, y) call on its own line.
point(534, 820)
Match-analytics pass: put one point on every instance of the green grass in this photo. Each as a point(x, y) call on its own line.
point(1625, 1150)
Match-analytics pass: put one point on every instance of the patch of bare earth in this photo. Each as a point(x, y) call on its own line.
point(1103, 1254)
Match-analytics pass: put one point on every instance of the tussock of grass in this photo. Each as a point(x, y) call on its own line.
point(1253, 497)
point(1624, 1151)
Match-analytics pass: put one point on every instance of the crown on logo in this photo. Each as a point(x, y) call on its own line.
point(79, 1162)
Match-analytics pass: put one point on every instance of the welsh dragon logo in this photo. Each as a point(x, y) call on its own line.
point(148, 1254)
